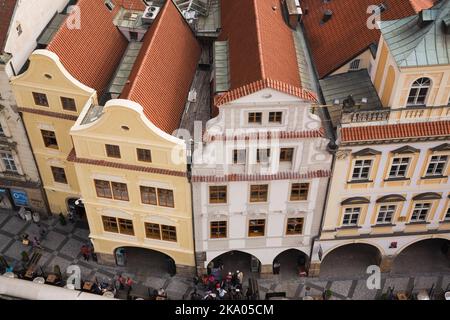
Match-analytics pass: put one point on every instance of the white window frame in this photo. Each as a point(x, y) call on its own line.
point(360, 168)
point(419, 85)
point(9, 162)
point(435, 164)
point(384, 212)
point(447, 214)
point(398, 166)
point(349, 214)
point(418, 211)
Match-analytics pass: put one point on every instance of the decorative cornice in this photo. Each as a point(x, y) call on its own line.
point(49, 114)
point(73, 158)
point(263, 177)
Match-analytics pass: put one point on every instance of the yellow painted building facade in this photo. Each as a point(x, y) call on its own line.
point(50, 100)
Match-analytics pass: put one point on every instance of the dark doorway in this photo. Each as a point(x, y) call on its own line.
point(233, 261)
point(349, 261)
point(430, 255)
point(145, 262)
point(290, 264)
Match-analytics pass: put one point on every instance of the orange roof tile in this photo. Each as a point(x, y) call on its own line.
point(164, 70)
point(6, 13)
point(395, 131)
point(261, 45)
point(92, 52)
point(264, 84)
point(346, 35)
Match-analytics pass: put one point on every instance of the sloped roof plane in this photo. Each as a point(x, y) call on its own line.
point(6, 13)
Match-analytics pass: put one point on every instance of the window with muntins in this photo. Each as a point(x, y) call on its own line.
point(262, 155)
point(152, 231)
point(165, 198)
point(299, 191)
point(239, 156)
point(258, 193)
point(399, 167)
point(103, 189)
point(126, 227)
point(218, 229)
point(286, 154)
point(437, 165)
point(218, 194)
point(110, 224)
point(68, 104)
point(49, 138)
point(169, 233)
point(148, 195)
point(420, 212)
point(419, 91)
point(112, 151)
point(255, 117)
point(120, 191)
point(59, 175)
point(275, 117)
point(256, 228)
point(351, 216)
point(40, 99)
point(294, 226)
point(361, 169)
point(144, 155)
point(385, 214)
point(447, 215)
point(8, 162)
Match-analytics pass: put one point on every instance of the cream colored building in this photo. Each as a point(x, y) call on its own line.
point(390, 185)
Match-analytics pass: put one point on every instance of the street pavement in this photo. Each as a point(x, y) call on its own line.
point(62, 247)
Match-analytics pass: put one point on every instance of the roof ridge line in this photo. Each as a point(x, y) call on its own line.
point(258, 34)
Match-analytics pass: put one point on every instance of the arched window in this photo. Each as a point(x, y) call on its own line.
point(419, 91)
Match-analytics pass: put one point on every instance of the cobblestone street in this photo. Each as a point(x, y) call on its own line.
point(62, 247)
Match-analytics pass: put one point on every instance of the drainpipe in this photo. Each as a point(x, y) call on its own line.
point(189, 176)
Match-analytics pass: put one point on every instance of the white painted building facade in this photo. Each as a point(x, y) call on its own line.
point(219, 168)
point(20, 184)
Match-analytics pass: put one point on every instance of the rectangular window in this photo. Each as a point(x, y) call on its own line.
point(437, 165)
point(144, 155)
point(152, 231)
point(169, 233)
point(258, 193)
point(148, 195)
point(59, 175)
point(256, 228)
point(299, 191)
point(165, 198)
point(68, 104)
point(275, 117)
point(385, 214)
point(447, 215)
point(49, 138)
point(126, 227)
point(112, 151)
point(218, 229)
point(286, 154)
point(110, 5)
point(262, 155)
point(120, 191)
point(351, 216)
point(110, 224)
point(103, 189)
point(239, 156)
point(8, 162)
point(40, 99)
point(399, 167)
point(294, 226)
point(354, 65)
point(255, 117)
point(361, 170)
point(218, 194)
point(420, 212)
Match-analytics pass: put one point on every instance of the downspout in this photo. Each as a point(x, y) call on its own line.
point(189, 176)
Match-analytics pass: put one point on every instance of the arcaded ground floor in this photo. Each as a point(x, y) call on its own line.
point(422, 266)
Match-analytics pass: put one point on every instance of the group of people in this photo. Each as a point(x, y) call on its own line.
point(219, 287)
point(87, 252)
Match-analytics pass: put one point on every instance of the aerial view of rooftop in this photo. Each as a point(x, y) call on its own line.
point(193, 151)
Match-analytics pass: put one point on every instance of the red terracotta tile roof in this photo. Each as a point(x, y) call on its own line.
point(396, 131)
point(346, 35)
point(261, 45)
point(6, 14)
point(264, 84)
point(91, 54)
point(164, 70)
point(263, 177)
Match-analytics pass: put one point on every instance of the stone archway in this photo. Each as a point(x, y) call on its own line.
point(349, 261)
point(292, 263)
point(233, 261)
point(426, 255)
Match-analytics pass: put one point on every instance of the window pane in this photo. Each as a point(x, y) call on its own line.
point(68, 104)
point(126, 227)
point(152, 231)
point(169, 233)
point(110, 224)
point(258, 193)
point(294, 226)
point(40, 99)
point(286, 154)
point(255, 117)
point(120, 191)
point(218, 229)
point(262, 155)
point(59, 175)
point(112, 151)
point(148, 195)
point(103, 189)
point(165, 198)
point(49, 138)
point(8, 162)
point(256, 228)
point(218, 194)
point(144, 155)
point(275, 117)
point(239, 156)
point(299, 191)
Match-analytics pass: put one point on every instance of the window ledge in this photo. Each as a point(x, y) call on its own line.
point(397, 179)
point(381, 225)
point(359, 181)
point(348, 227)
point(433, 177)
point(416, 222)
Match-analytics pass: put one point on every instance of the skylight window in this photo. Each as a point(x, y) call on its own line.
point(110, 5)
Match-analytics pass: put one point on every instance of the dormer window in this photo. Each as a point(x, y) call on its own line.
point(419, 92)
point(110, 5)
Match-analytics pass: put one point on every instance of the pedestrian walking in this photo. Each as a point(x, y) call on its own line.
point(229, 278)
point(276, 267)
point(240, 276)
point(85, 251)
